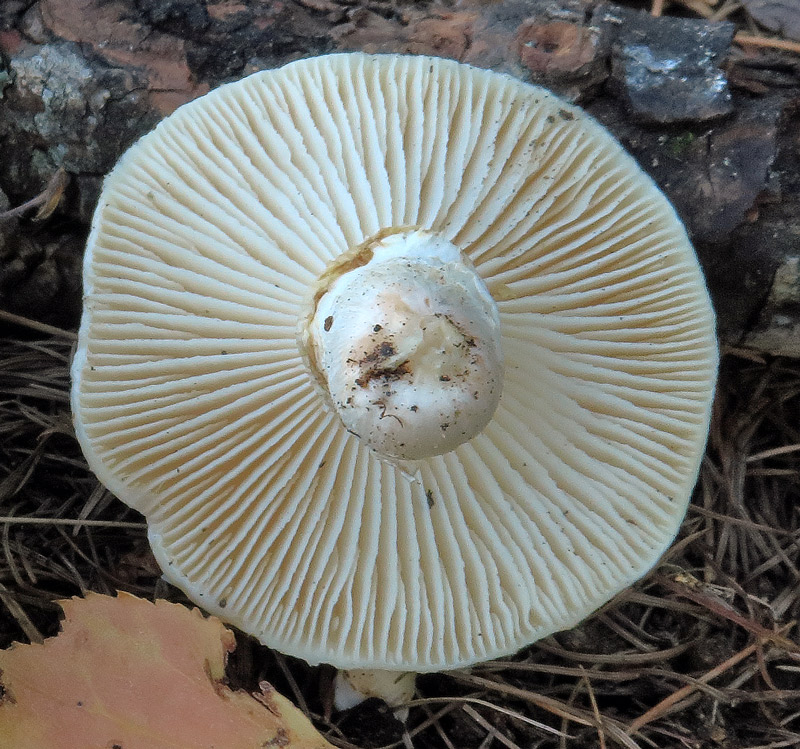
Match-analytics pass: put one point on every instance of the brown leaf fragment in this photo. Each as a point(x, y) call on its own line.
point(127, 672)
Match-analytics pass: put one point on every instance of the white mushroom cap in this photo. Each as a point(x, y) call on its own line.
point(195, 402)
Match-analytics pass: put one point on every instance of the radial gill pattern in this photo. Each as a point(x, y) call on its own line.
point(194, 405)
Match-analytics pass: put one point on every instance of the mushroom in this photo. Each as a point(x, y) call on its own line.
point(407, 364)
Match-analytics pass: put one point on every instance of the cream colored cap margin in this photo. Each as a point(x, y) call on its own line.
point(193, 405)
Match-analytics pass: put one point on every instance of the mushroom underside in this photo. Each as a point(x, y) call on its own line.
point(196, 402)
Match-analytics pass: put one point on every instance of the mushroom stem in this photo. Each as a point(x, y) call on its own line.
point(395, 688)
point(407, 346)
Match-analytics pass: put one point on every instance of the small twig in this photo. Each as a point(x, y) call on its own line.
point(491, 706)
point(598, 675)
point(749, 524)
point(662, 707)
point(773, 452)
point(432, 720)
point(26, 625)
point(762, 667)
point(42, 327)
point(728, 7)
point(752, 40)
point(595, 709)
point(583, 717)
point(721, 608)
point(744, 353)
point(623, 633)
point(46, 201)
point(298, 695)
point(12, 520)
point(627, 658)
point(487, 726)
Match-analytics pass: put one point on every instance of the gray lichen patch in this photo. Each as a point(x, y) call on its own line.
point(64, 109)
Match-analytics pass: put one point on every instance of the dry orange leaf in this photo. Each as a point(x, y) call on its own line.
point(132, 674)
